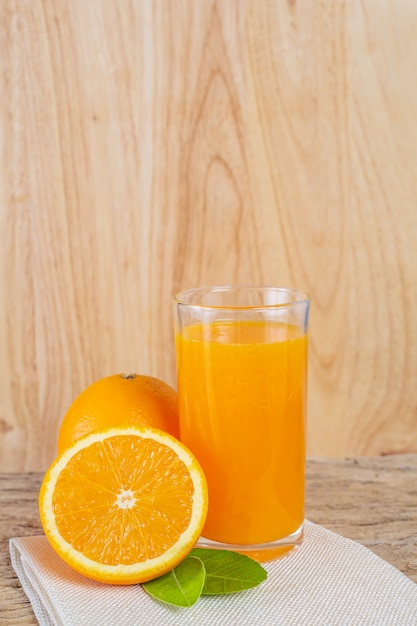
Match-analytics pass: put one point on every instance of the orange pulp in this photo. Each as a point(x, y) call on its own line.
point(242, 396)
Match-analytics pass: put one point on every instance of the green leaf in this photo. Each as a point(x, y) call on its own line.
point(228, 572)
point(182, 586)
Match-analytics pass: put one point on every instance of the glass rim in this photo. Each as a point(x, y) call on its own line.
point(304, 297)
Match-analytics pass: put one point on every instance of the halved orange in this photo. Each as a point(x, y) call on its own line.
point(124, 505)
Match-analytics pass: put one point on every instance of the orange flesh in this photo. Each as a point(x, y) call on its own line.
point(113, 516)
point(242, 391)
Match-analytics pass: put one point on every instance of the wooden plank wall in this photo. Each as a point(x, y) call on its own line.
point(151, 146)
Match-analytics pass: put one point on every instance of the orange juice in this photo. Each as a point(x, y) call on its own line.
point(242, 393)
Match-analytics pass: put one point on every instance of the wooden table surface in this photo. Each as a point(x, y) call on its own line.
point(370, 500)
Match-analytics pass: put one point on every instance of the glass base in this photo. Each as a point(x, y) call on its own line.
point(260, 551)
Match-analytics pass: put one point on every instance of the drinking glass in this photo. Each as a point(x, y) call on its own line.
point(242, 383)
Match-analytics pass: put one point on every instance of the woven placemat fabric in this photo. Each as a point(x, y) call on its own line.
point(328, 581)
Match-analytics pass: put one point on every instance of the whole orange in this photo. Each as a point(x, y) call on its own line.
point(121, 399)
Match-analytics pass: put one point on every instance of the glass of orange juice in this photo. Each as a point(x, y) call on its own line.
point(242, 383)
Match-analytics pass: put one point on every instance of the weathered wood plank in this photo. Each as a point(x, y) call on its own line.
point(370, 500)
point(18, 518)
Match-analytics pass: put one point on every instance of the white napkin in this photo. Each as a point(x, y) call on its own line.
point(330, 581)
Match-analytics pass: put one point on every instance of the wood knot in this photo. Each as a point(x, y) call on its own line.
point(5, 427)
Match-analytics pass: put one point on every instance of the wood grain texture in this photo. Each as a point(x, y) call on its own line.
point(148, 147)
point(370, 500)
